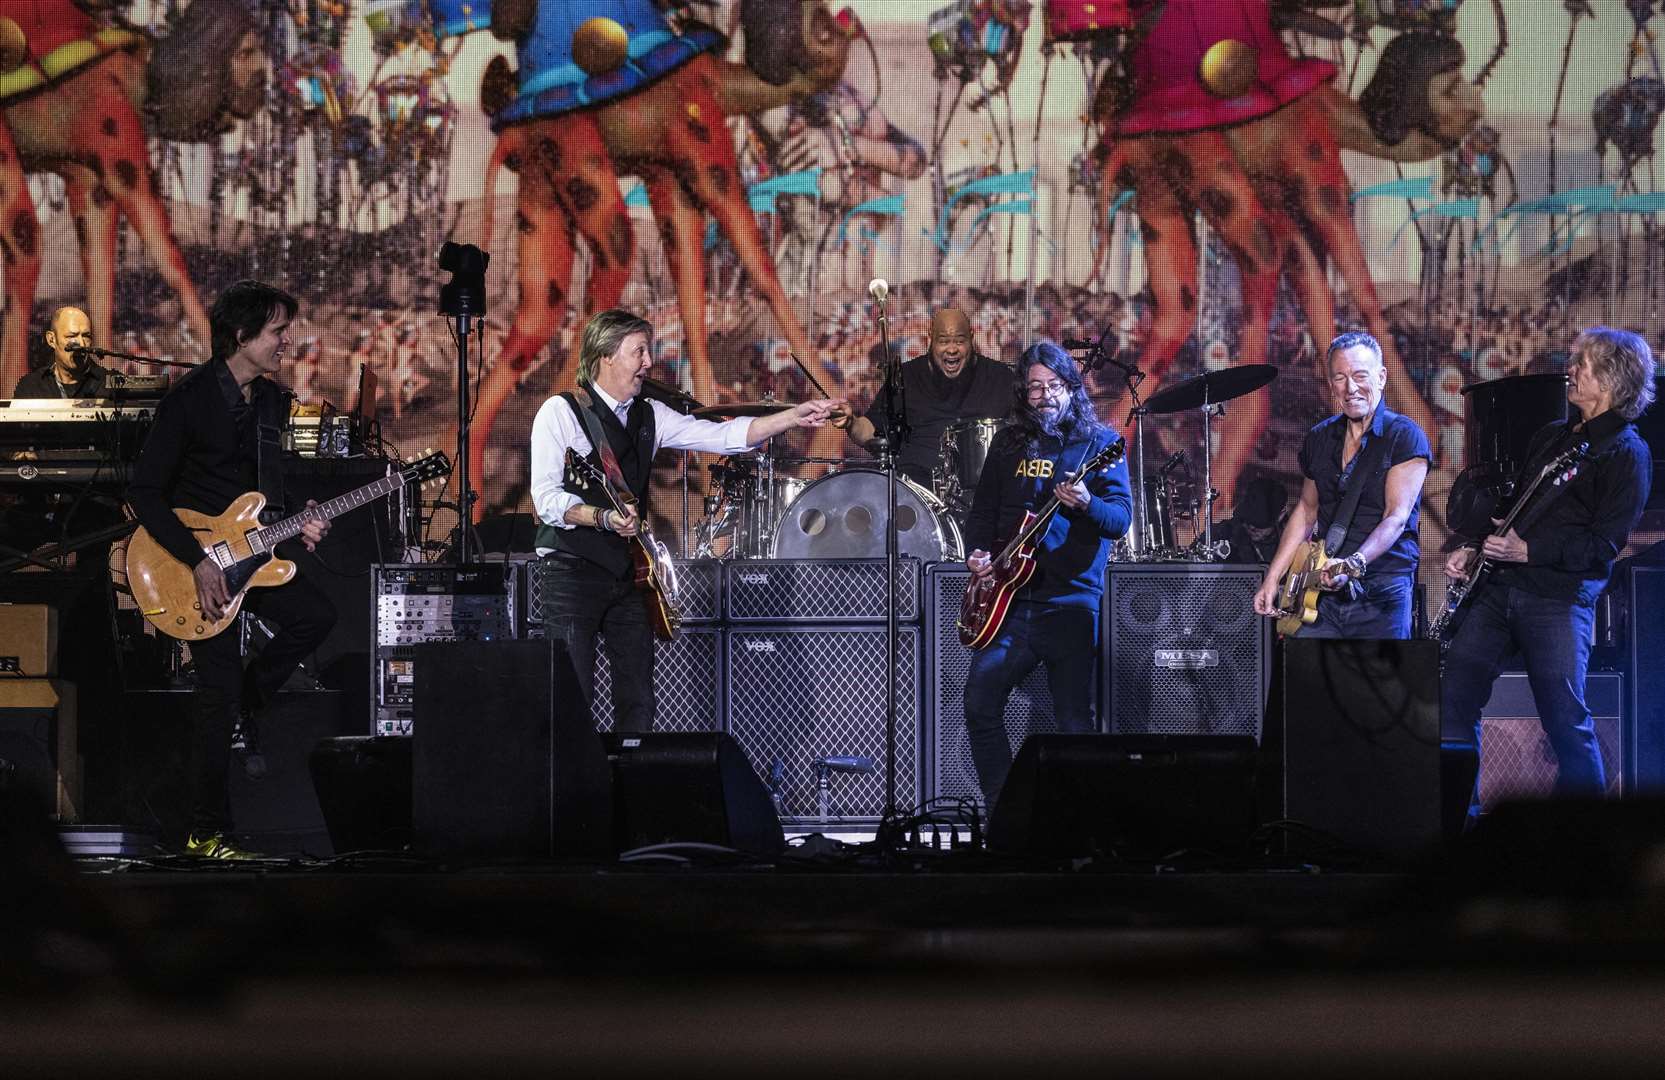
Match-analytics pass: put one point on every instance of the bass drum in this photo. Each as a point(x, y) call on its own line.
point(842, 516)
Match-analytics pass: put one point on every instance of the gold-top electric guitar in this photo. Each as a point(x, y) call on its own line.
point(1301, 587)
point(655, 574)
point(166, 589)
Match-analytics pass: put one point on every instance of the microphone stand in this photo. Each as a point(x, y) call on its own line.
point(896, 432)
point(462, 299)
point(115, 354)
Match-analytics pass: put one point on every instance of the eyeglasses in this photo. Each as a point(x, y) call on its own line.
point(1049, 389)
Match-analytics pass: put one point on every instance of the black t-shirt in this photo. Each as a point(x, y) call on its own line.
point(1321, 463)
point(43, 383)
point(934, 402)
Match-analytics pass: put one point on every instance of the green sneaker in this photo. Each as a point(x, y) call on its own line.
point(217, 847)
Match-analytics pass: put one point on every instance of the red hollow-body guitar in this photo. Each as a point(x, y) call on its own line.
point(989, 597)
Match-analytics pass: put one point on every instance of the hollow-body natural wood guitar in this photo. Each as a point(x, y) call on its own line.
point(655, 574)
point(988, 598)
point(166, 589)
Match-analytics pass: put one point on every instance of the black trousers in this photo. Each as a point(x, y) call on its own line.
point(584, 600)
point(304, 615)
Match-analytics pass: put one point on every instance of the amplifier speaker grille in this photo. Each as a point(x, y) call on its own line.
point(1028, 710)
point(699, 596)
point(1516, 761)
point(819, 590)
point(798, 693)
point(687, 683)
point(1187, 655)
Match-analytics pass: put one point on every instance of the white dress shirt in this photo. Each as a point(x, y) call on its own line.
point(557, 427)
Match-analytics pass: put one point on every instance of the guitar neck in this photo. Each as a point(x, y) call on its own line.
point(290, 527)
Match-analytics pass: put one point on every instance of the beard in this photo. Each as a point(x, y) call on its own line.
point(1049, 419)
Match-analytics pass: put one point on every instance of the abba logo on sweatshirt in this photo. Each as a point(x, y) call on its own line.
point(1035, 468)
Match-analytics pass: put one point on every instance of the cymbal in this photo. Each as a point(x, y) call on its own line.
point(741, 408)
point(1211, 388)
point(666, 394)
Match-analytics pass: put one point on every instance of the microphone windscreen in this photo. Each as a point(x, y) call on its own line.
point(878, 289)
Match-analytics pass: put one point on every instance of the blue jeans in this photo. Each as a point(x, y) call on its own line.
point(1383, 611)
point(1553, 638)
point(1065, 639)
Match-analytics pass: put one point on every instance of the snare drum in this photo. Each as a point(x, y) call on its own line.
point(960, 456)
point(842, 516)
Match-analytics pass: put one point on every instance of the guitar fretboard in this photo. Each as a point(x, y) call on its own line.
point(290, 527)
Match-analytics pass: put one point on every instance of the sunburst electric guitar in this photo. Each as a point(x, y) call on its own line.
point(989, 597)
point(655, 574)
point(166, 589)
point(1527, 508)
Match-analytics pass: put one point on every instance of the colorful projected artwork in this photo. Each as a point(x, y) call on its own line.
point(1198, 183)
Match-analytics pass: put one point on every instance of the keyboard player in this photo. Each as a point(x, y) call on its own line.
point(71, 374)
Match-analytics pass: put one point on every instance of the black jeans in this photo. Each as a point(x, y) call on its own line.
point(1065, 639)
point(1553, 637)
point(305, 616)
point(583, 600)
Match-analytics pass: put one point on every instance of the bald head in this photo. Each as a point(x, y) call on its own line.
point(950, 341)
point(70, 329)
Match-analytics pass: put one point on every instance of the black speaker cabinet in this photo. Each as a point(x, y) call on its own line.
point(363, 785)
point(1647, 674)
point(1136, 797)
point(1360, 742)
point(680, 786)
point(506, 761)
point(280, 812)
point(801, 693)
point(687, 682)
point(1186, 654)
point(947, 662)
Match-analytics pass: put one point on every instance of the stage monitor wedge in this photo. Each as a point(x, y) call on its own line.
point(698, 787)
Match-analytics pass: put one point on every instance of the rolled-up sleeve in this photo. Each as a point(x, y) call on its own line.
point(553, 430)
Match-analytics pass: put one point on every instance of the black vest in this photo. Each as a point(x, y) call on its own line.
point(632, 444)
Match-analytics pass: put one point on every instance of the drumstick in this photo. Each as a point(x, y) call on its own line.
point(807, 375)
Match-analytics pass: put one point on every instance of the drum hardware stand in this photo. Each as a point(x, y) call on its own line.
point(896, 432)
point(1209, 552)
point(1096, 358)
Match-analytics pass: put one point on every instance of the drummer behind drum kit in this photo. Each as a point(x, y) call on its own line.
point(766, 512)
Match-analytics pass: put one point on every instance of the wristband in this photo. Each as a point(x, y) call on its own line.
point(601, 519)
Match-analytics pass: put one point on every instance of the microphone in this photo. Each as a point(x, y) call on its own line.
point(845, 763)
point(878, 289)
point(1172, 462)
point(1075, 344)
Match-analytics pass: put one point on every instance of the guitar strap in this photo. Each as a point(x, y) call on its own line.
point(1364, 467)
point(581, 402)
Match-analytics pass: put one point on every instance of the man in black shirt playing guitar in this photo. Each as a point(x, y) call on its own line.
point(215, 438)
point(1540, 597)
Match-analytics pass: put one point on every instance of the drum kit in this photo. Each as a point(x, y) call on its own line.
point(759, 508)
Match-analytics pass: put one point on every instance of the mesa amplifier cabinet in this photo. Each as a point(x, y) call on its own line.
point(687, 682)
point(819, 590)
point(1185, 653)
point(947, 662)
point(799, 694)
point(1516, 761)
point(699, 592)
point(421, 603)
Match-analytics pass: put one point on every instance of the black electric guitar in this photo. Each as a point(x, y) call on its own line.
point(1532, 502)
